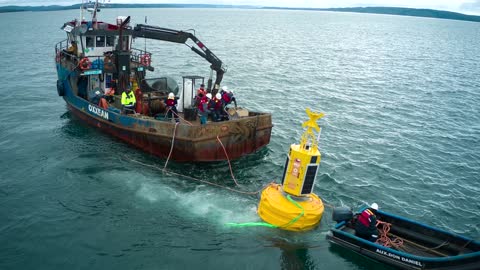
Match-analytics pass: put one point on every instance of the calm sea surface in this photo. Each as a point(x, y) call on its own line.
point(402, 128)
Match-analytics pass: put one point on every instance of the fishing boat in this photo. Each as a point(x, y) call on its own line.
point(407, 244)
point(102, 60)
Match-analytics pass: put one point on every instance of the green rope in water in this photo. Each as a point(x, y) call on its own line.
point(296, 218)
point(265, 224)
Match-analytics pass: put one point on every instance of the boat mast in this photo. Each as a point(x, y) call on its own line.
point(79, 22)
point(94, 15)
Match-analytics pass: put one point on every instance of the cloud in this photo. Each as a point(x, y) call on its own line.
point(471, 6)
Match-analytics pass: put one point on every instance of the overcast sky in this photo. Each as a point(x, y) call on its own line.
point(464, 6)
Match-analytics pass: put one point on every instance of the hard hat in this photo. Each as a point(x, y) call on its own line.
point(224, 88)
point(209, 96)
point(171, 96)
point(218, 96)
point(97, 93)
point(374, 206)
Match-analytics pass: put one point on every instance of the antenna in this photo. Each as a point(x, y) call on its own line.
point(94, 16)
point(81, 12)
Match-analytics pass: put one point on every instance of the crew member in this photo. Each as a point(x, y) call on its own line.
point(215, 107)
point(171, 103)
point(128, 101)
point(227, 97)
point(73, 49)
point(203, 108)
point(200, 94)
point(96, 98)
point(103, 103)
point(366, 225)
point(201, 90)
point(110, 95)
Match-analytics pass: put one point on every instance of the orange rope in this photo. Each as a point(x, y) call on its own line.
point(228, 159)
point(384, 239)
point(171, 148)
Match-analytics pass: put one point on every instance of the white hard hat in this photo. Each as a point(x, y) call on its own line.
point(209, 95)
point(171, 96)
point(224, 88)
point(97, 93)
point(374, 206)
point(218, 96)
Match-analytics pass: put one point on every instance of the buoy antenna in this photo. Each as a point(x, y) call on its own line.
point(309, 141)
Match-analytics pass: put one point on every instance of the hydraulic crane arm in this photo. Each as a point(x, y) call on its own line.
point(170, 35)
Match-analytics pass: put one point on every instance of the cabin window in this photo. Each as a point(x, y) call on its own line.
point(110, 41)
point(90, 41)
point(100, 41)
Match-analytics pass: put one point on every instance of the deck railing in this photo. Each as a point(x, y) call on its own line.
point(105, 62)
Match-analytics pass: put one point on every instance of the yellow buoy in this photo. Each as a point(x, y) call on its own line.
point(292, 205)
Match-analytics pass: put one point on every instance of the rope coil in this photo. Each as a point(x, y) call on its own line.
point(384, 239)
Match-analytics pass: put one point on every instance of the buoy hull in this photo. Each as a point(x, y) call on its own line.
point(276, 209)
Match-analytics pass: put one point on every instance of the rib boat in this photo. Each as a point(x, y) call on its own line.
point(104, 60)
point(407, 244)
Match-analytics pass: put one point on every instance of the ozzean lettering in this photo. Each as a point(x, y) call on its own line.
point(98, 111)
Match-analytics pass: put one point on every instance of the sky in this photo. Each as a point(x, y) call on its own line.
point(463, 6)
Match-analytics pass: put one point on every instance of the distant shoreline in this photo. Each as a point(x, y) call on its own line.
point(426, 13)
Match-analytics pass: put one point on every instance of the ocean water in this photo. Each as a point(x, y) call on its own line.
point(402, 128)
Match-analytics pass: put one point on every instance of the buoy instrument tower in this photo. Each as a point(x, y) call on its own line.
point(292, 205)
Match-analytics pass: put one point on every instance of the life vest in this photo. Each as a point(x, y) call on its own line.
point(171, 102)
point(128, 99)
point(227, 98)
point(365, 217)
point(203, 100)
point(201, 92)
point(215, 104)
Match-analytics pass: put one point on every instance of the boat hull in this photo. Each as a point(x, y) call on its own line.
point(214, 141)
point(457, 251)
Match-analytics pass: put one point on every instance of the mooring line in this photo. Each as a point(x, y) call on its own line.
point(182, 118)
point(171, 148)
point(228, 159)
point(196, 179)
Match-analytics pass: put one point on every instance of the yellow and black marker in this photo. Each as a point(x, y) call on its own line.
point(292, 205)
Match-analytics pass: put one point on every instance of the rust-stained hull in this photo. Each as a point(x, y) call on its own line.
point(191, 142)
point(109, 69)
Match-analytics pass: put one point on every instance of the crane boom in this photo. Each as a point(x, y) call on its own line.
point(171, 35)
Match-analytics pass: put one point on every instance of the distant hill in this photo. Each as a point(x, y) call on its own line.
point(430, 13)
point(4, 9)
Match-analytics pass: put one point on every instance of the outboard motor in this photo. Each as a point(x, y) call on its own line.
point(342, 213)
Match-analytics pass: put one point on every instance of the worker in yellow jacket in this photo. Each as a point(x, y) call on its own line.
point(128, 101)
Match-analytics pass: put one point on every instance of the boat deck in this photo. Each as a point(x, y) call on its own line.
point(420, 245)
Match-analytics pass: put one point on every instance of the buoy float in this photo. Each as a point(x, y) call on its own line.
point(292, 205)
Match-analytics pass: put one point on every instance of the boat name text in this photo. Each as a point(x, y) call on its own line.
point(398, 257)
point(98, 111)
